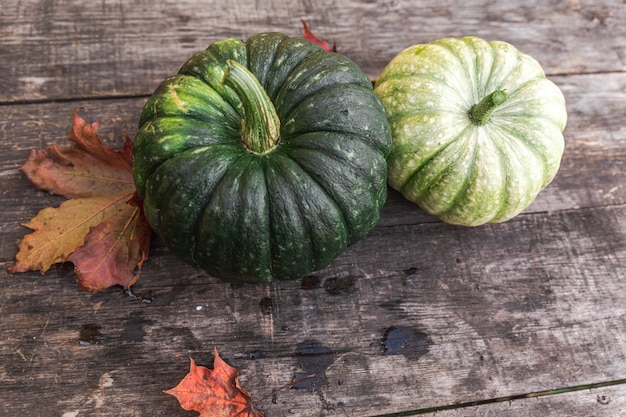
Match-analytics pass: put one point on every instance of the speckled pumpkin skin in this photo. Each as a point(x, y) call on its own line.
point(461, 172)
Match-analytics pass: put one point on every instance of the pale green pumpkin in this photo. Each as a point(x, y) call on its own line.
point(477, 128)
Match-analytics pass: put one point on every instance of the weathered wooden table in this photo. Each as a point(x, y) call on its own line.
point(524, 318)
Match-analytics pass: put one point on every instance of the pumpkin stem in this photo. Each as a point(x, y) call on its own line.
point(480, 113)
point(260, 125)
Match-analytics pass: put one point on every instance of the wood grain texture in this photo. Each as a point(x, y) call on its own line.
point(413, 317)
point(72, 49)
point(419, 315)
point(602, 401)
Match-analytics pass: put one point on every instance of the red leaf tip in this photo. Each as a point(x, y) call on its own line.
point(310, 36)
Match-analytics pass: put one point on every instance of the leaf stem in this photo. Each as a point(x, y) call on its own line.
point(260, 125)
point(480, 113)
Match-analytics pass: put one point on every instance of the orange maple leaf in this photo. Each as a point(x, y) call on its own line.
point(101, 228)
point(310, 36)
point(214, 393)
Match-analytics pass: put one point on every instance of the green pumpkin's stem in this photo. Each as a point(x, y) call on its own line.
point(260, 126)
point(480, 113)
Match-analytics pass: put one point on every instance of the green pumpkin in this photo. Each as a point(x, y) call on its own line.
point(477, 128)
point(263, 159)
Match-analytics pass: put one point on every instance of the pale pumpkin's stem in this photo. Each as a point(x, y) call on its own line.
point(260, 126)
point(480, 113)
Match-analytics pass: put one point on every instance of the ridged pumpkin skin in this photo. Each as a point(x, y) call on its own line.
point(247, 216)
point(463, 172)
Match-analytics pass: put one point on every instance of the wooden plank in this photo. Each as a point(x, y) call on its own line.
point(71, 49)
point(591, 134)
point(412, 317)
point(607, 401)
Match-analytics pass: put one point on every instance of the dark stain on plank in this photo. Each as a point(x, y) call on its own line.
point(90, 335)
point(313, 359)
point(134, 328)
point(340, 285)
point(406, 341)
point(310, 282)
point(266, 306)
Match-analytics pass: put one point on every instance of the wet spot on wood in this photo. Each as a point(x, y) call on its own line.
point(313, 359)
point(169, 297)
point(187, 40)
point(145, 297)
point(339, 285)
point(405, 341)
point(181, 338)
point(310, 282)
point(266, 306)
point(134, 328)
point(183, 19)
point(90, 335)
point(257, 354)
point(410, 272)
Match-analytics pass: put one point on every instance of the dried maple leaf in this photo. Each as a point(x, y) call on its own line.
point(214, 393)
point(308, 35)
point(101, 229)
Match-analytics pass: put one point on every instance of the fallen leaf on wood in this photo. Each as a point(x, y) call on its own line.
point(308, 35)
point(214, 393)
point(101, 228)
point(124, 238)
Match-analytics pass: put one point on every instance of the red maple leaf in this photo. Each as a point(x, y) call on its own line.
point(308, 35)
point(101, 228)
point(214, 393)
